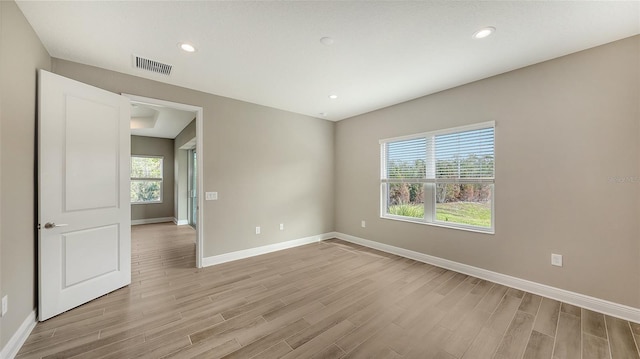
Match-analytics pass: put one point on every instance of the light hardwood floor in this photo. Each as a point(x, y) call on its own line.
point(326, 300)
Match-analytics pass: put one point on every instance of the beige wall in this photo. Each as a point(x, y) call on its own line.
point(187, 134)
point(181, 202)
point(268, 166)
point(563, 128)
point(151, 146)
point(21, 53)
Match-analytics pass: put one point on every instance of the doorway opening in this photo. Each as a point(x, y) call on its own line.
point(180, 124)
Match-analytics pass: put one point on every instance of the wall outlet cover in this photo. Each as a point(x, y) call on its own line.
point(556, 260)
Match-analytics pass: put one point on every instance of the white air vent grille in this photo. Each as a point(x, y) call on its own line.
point(151, 65)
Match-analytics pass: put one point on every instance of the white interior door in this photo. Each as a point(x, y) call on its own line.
point(84, 246)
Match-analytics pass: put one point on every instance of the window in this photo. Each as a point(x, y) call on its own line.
point(444, 177)
point(146, 179)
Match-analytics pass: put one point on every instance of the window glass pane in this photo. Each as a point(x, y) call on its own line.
point(468, 203)
point(406, 159)
point(405, 199)
point(146, 167)
point(145, 191)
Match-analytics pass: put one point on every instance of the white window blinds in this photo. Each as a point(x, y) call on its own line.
point(455, 156)
point(466, 156)
point(406, 160)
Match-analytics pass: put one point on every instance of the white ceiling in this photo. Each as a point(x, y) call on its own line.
point(269, 52)
point(165, 122)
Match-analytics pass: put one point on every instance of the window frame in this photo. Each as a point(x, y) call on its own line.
point(429, 184)
point(149, 179)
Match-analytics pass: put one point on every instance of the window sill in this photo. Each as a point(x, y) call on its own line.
point(440, 224)
point(136, 203)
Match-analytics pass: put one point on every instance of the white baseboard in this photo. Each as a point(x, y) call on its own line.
point(135, 222)
point(180, 222)
point(19, 337)
point(246, 253)
point(598, 305)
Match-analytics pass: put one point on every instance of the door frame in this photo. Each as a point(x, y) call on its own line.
point(190, 185)
point(199, 149)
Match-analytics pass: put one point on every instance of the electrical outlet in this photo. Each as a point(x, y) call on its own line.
point(556, 260)
point(257, 230)
point(211, 196)
point(282, 226)
point(363, 224)
point(5, 304)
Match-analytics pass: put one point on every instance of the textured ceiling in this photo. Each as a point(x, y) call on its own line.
point(165, 122)
point(270, 52)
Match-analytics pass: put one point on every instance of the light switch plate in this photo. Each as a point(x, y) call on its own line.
point(211, 196)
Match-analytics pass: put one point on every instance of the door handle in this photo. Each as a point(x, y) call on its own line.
point(50, 225)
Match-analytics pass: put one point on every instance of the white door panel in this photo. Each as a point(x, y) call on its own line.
point(91, 148)
point(84, 154)
point(90, 253)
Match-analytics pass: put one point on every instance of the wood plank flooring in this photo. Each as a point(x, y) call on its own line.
point(327, 300)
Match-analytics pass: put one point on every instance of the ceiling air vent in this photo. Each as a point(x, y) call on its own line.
point(151, 65)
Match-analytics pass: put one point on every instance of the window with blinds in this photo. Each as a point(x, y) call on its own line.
point(444, 177)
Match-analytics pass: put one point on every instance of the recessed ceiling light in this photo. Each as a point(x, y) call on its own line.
point(333, 97)
point(484, 32)
point(187, 47)
point(327, 41)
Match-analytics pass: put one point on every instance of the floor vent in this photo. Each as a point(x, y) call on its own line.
point(151, 65)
